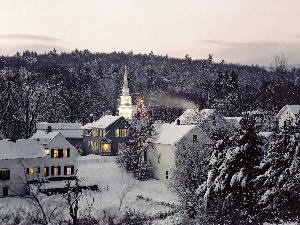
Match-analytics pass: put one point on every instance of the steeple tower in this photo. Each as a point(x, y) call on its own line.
point(125, 106)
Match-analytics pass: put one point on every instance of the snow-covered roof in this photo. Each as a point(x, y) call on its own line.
point(101, 123)
point(21, 149)
point(44, 137)
point(295, 109)
point(170, 134)
point(68, 130)
point(195, 116)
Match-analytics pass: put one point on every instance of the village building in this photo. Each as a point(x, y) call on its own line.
point(288, 116)
point(126, 108)
point(71, 131)
point(106, 135)
point(60, 162)
point(169, 138)
point(209, 120)
point(21, 162)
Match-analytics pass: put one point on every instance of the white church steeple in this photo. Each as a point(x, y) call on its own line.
point(126, 109)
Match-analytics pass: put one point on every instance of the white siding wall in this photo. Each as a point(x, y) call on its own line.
point(18, 174)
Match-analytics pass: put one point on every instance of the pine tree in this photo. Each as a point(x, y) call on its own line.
point(228, 192)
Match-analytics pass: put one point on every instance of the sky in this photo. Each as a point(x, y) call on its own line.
point(237, 31)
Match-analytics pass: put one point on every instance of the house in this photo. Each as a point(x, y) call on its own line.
point(167, 139)
point(209, 120)
point(106, 135)
point(21, 162)
point(71, 131)
point(287, 116)
point(264, 120)
point(60, 162)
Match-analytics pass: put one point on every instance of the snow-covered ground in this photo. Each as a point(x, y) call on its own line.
point(150, 197)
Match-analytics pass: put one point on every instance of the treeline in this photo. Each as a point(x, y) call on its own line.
point(68, 87)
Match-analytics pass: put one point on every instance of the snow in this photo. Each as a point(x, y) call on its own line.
point(195, 116)
point(23, 148)
point(295, 109)
point(143, 196)
point(170, 134)
point(44, 137)
point(102, 123)
point(68, 130)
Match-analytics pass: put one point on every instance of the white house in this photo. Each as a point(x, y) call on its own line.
point(61, 157)
point(209, 120)
point(21, 162)
point(287, 116)
point(168, 138)
point(71, 131)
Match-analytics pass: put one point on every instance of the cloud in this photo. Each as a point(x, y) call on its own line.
point(28, 37)
point(259, 52)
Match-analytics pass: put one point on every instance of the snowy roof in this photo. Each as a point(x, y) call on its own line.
point(170, 134)
point(68, 130)
point(21, 149)
point(44, 137)
point(295, 109)
point(195, 116)
point(102, 123)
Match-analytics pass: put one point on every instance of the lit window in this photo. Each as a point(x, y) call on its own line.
point(55, 153)
point(47, 151)
point(94, 145)
point(66, 153)
point(33, 170)
point(121, 145)
point(55, 171)
point(125, 132)
point(106, 147)
point(46, 171)
point(95, 132)
point(68, 170)
point(117, 132)
point(101, 133)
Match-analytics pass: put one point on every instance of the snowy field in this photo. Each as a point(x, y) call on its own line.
point(150, 197)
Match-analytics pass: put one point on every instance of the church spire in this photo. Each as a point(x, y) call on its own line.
point(125, 84)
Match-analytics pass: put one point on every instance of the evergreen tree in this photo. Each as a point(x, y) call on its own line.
point(228, 192)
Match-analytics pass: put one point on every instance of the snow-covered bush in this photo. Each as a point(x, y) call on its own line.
point(110, 215)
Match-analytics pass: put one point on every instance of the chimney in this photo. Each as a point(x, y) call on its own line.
point(91, 119)
point(178, 121)
point(113, 113)
point(49, 129)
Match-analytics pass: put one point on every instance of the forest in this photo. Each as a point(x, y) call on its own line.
point(67, 87)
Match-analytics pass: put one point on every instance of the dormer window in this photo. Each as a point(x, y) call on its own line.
point(121, 132)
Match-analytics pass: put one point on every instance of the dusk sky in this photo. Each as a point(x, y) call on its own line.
point(238, 31)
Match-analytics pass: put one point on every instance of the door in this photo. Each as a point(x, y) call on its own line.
point(5, 191)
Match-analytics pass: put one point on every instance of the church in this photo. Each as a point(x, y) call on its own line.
point(126, 109)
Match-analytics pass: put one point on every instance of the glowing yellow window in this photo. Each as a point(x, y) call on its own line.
point(55, 153)
point(106, 147)
point(125, 132)
point(47, 151)
point(33, 170)
point(117, 132)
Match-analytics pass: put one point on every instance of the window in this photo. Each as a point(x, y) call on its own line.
point(94, 145)
point(101, 133)
point(167, 175)
point(46, 171)
point(66, 153)
point(117, 132)
point(95, 132)
point(106, 147)
point(125, 132)
point(60, 153)
point(47, 151)
point(4, 174)
point(121, 132)
point(194, 138)
point(33, 170)
point(55, 170)
point(68, 170)
point(54, 153)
